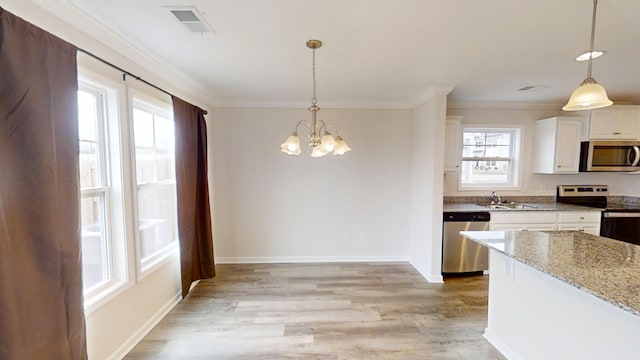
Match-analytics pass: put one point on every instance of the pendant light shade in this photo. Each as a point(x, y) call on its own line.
point(318, 151)
point(589, 95)
point(292, 145)
point(341, 147)
point(328, 142)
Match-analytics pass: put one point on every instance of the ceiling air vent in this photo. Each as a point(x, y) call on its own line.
point(190, 17)
point(533, 87)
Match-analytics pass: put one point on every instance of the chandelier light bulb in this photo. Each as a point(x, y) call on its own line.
point(292, 145)
point(318, 151)
point(341, 147)
point(328, 142)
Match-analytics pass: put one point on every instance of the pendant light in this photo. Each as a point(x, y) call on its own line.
point(589, 95)
point(319, 137)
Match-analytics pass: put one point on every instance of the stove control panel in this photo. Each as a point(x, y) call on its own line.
point(582, 190)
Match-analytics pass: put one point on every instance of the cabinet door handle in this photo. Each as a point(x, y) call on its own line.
point(617, 133)
point(581, 217)
point(636, 149)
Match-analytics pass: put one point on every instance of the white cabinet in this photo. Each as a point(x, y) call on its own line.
point(615, 123)
point(557, 145)
point(588, 221)
point(524, 220)
point(453, 144)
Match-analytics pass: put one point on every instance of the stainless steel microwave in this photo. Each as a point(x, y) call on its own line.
point(610, 155)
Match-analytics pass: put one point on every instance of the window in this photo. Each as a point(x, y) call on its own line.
point(156, 182)
point(127, 186)
point(490, 158)
point(94, 188)
point(103, 262)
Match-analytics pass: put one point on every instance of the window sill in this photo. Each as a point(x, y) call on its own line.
point(96, 299)
point(489, 187)
point(152, 263)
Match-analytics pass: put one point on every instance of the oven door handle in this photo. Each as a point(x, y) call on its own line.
point(635, 162)
point(607, 214)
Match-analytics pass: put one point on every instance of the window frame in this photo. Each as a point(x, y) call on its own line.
point(515, 158)
point(163, 107)
point(111, 155)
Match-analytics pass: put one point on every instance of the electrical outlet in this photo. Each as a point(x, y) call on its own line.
point(363, 237)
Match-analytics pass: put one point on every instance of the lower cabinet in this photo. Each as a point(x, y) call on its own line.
point(524, 220)
point(587, 221)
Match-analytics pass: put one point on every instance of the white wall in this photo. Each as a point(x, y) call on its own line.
point(117, 325)
point(115, 328)
point(269, 206)
point(631, 185)
point(536, 184)
point(428, 128)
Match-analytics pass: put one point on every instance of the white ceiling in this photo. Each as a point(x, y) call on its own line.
point(386, 53)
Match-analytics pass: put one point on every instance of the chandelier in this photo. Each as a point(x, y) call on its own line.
point(589, 95)
point(319, 137)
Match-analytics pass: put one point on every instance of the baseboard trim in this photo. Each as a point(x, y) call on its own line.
point(137, 336)
point(426, 274)
point(329, 259)
point(500, 346)
point(308, 259)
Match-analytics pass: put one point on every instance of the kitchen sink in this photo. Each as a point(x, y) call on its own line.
point(495, 206)
point(522, 206)
point(508, 206)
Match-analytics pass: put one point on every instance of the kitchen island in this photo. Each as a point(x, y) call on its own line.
point(562, 295)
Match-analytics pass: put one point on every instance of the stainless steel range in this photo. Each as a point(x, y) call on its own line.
point(618, 221)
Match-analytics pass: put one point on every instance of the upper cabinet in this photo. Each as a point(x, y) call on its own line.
point(615, 123)
point(557, 145)
point(453, 144)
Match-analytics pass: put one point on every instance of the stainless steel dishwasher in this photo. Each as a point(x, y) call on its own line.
point(460, 255)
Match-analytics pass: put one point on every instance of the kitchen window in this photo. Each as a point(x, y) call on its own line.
point(102, 234)
point(153, 133)
point(490, 157)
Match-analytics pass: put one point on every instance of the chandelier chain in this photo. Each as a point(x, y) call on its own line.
point(314, 99)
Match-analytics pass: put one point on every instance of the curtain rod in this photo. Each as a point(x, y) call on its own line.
point(125, 73)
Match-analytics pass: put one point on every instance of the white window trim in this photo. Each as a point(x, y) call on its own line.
point(145, 101)
point(518, 147)
point(115, 207)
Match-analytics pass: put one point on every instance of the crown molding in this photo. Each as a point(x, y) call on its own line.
point(504, 105)
point(328, 105)
point(84, 31)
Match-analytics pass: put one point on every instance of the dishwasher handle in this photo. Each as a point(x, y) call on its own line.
point(472, 216)
point(621, 214)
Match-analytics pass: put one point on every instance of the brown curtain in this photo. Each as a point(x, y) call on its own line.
point(41, 303)
point(194, 218)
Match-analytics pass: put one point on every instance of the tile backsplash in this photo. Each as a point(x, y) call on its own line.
point(530, 199)
point(486, 200)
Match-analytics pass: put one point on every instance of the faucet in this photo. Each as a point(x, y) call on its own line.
point(495, 198)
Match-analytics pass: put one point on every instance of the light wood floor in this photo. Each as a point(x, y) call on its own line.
point(324, 311)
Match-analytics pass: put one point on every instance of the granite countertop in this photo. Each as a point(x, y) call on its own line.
point(606, 268)
point(530, 207)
